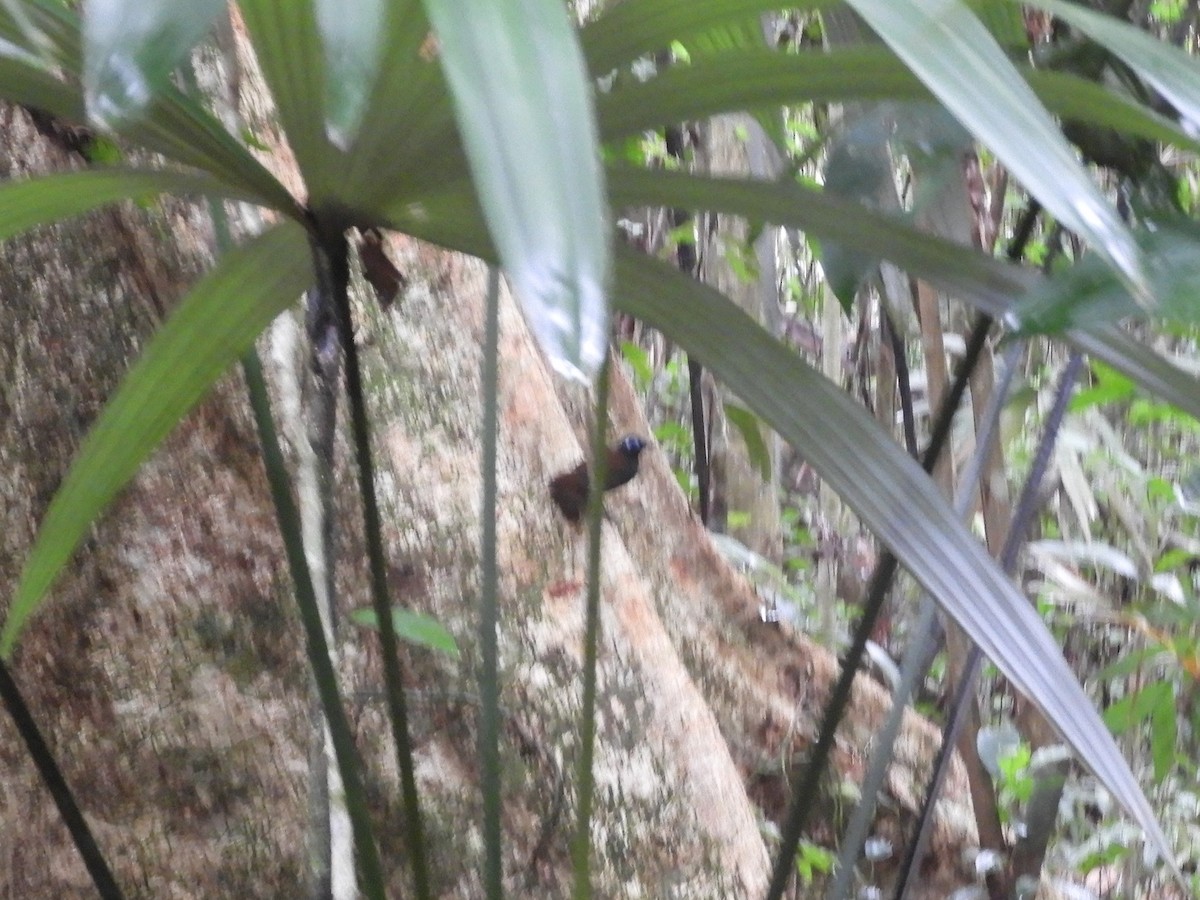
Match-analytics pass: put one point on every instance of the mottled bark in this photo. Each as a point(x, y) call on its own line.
point(166, 668)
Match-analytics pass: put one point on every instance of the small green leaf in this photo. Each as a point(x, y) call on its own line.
point(672, 435)
point(811, 860)
point(747, 425)
point(1153, 704)
point(686, 481)
point(1168, 11)
point(103, 151)
point(1160, 489)
point(253, 141)
point(1173, 559)
point(639, 361)
point(416, 628)
point(1110, 387)
point(1163, 732)
point(738, 518)
point(630, 149)
point(1149, 370)
point(681, 234)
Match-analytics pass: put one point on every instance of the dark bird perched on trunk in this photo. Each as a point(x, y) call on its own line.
point(569, 491)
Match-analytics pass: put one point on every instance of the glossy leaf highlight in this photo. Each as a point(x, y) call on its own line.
point(523, 106)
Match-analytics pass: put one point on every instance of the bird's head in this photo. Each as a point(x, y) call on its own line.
point(631, 446)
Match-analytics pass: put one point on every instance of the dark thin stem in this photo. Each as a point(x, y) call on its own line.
point(700, 437)
point(921, 649)
point(903, 385)
point(881, 581)
point(489, 679)
point(1028, 503)
point(333, 249)
point(582, 845)
point(1022, 517)
point(349, 766)
point(685, 259)
point(1023, 230)
point(962, 691)
point(43, 759)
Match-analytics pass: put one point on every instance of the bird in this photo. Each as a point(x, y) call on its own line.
point(569, 490)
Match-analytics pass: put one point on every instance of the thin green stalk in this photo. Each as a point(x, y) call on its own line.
point(489, 678)
point(370, 870)
point(336, 265)
point(581, 847)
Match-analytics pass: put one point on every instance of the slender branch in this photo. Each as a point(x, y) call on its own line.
point(371, 871)
point(903, 384)
point(1022, 518)
point(918, 655)
point(56, 784)
point(331, 252)
point(1016, 249)
point(881, 581)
